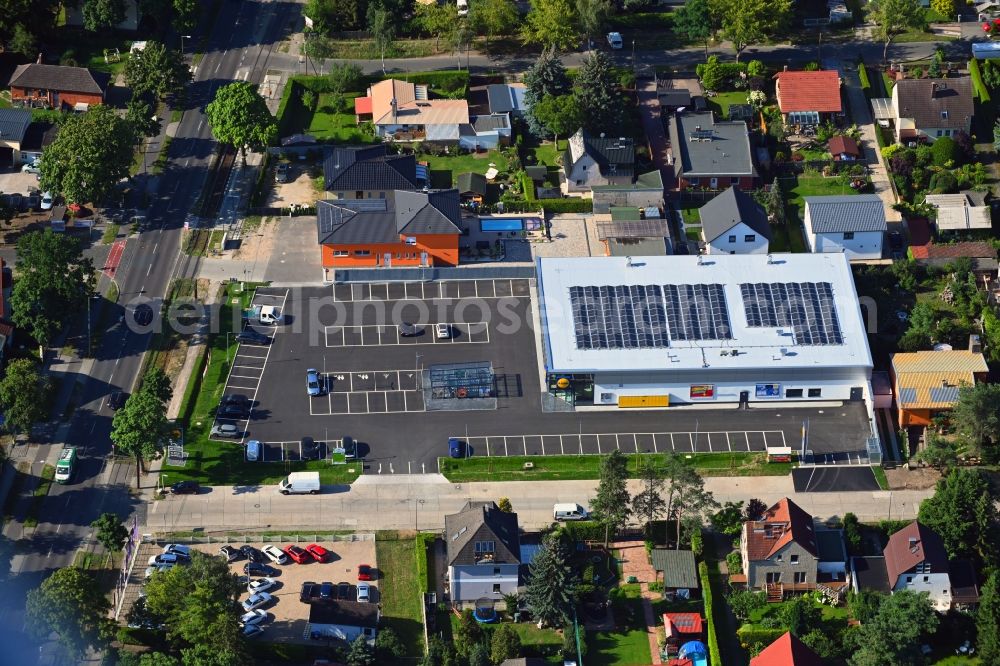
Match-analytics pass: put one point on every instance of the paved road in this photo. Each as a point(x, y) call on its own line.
point(238, 49)
point(408, 501)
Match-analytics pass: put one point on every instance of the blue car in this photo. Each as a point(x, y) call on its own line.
point(456, 448)
point(312, 382)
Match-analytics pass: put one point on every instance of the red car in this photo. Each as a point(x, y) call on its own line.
point(318, 551)
point(297, 554)
point(365, 572)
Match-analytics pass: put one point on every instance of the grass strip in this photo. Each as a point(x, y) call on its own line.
point(584, 467)
point(110, 234)
point(39, 494)
point(883, 482)
point(400, 589)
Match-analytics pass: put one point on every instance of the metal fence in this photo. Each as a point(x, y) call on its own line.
point(434, 273)
point(233, 537)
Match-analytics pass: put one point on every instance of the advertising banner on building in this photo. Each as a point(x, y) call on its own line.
point(768, 391)
point(702, 391)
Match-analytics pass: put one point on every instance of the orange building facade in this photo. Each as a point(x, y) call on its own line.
point(428, 250)
point(927, 383)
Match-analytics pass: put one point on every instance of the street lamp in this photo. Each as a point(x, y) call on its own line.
point(183, 37)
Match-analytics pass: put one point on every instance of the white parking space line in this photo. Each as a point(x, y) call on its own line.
point(468, 333)
point(427, 290)
point(718, 441)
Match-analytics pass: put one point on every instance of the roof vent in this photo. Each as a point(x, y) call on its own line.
point(770, 260)
point(914, 544)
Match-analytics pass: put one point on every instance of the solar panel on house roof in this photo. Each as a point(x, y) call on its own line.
point(806, 307)
point(697, 312)
point(618, 317)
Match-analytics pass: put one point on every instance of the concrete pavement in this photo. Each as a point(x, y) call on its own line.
point(402, 501)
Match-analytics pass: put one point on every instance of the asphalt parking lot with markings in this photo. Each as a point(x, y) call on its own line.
point(287, 615)
point(373, 392)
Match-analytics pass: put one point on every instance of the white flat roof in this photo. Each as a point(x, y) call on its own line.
point(758, 346)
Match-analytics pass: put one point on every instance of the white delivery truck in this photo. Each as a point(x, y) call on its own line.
point(300, 483)
point(569, 512)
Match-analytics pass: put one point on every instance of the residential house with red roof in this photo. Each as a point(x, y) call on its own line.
point(680, 628)
point(981, 253)
point(808, 98)
point(787, 650)
point(843, 148)
point(784, 552)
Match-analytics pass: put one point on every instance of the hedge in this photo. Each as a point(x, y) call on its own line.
point(449, 83)
point(567, 205)
point(751, 634)
point(981, 91)
point(866, 83)
point(714, 655)
point(585, 530)
point(424, 543)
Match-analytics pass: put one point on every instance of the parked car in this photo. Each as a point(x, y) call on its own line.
point(185, 488)
point(117, 400)
point(234, 406)
point(231, 553)
point(350, 448)
point(178, 549)
point(252, 554)
point(344, 591)
point(46, 201)
point(615, 40)
point(227, 430)
point(165, 558)
point(408, 330)
point(274, 554)
point(327, 592)
point(313, 387)
point(456, 448)
point(365, 572)
point(31, 168)
point(250, 336)
point(298, 554)
point(261, 585)
point(255, 601)
point(253, 450)
point(442, 331)
point(318, 552)
point(154, 569)
point(254, 569)
point(281, 172)
point(364, 592)
point(253, 617)
point(308, 592)
point(252, 630)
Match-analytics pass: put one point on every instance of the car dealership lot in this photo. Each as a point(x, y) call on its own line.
point(373, 391)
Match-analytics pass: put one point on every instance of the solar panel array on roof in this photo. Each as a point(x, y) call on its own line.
point(619, 317)
point(697, 312)
point(806, 307)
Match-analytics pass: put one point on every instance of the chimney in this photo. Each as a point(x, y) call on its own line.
point(38, 61)
point(392, 104)
point(785, 68)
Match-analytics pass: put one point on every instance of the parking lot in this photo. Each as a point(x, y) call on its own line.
point(287, 615)
point(375, 390)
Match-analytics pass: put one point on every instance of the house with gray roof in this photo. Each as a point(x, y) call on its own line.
point(57, 86)
point(404, 229)
point(14, 125)
point(733, 223)
point(676, 567)
point(592, 161)
point(368, 172)
point(931, 108)
point(712, 154)
point(484, 553)
point(851, 224)
point(506, 98)
point(645, 192)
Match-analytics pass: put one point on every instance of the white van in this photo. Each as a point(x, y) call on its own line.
point(270, 315)
point(463, 7)
point(299, 483)
point(569, 512)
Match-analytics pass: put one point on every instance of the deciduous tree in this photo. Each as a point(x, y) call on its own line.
point(467, 634)
point(388, 647)
point(612, 504)
point(551, 590)
point(158, 383)
point(747, 22)
point(240, 117)
point(494, 18)
point(505, 644)
point(558, 115)
point(693, 20)
point(23, 42)
point(437, 20)
point(744, 602)
point(552, 24)
point(896, 632)
point(504, 505)
point(24, 395)
point(596, 93)
point(92, 152)
point(976, 415)
point(185, 18)
point(138, 428)
point(592, 15)
point(72, 605)
point(139, 114)
point(156, 70)
point(102, 14)
point(963, 513)
point(111, 532)
point(729, 519)
point(54, 282)
point(892, 17)
point(546, 78)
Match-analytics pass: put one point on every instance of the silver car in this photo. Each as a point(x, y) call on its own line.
point(227, 430)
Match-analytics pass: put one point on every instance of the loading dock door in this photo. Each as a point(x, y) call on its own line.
point(639, 401)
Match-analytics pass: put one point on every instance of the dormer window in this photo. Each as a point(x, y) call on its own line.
point(944, 115)
point(485, 547)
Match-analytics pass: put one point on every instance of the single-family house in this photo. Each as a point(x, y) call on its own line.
point(787, 650)
point(852, 224)
point(964, 211)
point(404, 229)
point(484, 553)
point(343, 620)
point(981, 253)
point(471, 188)
point(676, 569)
point(926, 383)
point(506, 98)
point(779, 551)
point(808, 98)
point(36, 139)
point(915, 559)
point(626, 231)
point(57, 87)
point(14, 124)
point(368, 172)
point(925, 109)
point(645, 192)
point(591, 161)
point(710, 154)
point(843, 148)
point(733, 223)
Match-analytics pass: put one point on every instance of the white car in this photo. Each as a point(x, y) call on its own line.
point(274, 554)
point(31, 168)
point(46, 201)
point(178, 549)
point(615, 40)
point(255, 601)
point(261, 585)
point(164, 558)
point(254, 617)
point(364, 592)
point(159, 567)
point(442, 331)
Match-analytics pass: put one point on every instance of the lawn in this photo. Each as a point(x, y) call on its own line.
point(883, 482)
point(87, 49)
point(558, 467)
point(399, 589)
point(790, 238)
point(628, 643)
point(223, 463)
point(445, 168)
point(326, 124)
point(723, 100)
